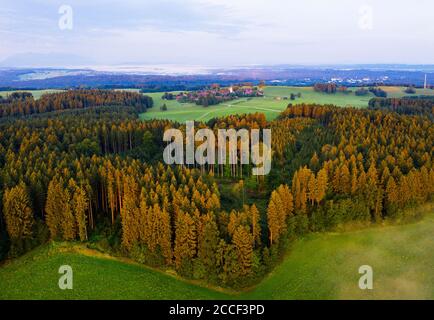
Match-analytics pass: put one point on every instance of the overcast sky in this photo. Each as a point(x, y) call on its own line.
point(222, 32)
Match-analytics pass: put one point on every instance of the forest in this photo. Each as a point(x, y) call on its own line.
point(95, 175)
point(412, 105)
point(216, 95)
point(23, 103)
point(330, 88)
point(325, 87)
point(378, 92)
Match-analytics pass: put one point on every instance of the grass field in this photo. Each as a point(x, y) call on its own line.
point(35, 276)
point(325, 266)
point(321, 266)
point(271, 104)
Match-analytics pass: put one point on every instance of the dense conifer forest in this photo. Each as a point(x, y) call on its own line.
point(82, 167)
point(23, 103)
point(412, 105)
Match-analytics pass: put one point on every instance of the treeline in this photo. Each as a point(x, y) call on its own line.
point(378, 92)
point(422, 105)
point(16, 96)
point(361, 92)
point(97, 178)
point(325, 87)
point(330, 88)
point(216, 95)
point(19, 104)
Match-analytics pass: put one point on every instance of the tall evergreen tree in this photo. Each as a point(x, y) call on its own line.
point(54, 207)
point(18, 216)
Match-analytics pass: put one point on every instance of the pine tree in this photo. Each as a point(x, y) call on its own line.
point(68, 223)
point(185, 243)
point(233, 222)
point(111, 192)
point(287, 200)
point(242, 240)
point(165, 238)
point(354, 181)
point(296, 190)
point(345, 180)
point(80, 206)
point(378, 205)
point(18, 216)
point(371, 191)
point(228, 263)
point(208, 244)
point(130, 213)
point(321, 185)
point(303, 201)
point(256, 227)
point(336, 183)
point(314, 162)
point(54, 207)
point(392, 195)
point(312, 189)
point(362, 180)
point(372, 176)
point(281, 210)
point(273, 222)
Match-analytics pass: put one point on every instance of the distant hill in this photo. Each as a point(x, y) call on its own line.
point(64, 71)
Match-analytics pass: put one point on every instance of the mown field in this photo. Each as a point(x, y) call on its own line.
point(271, 104)
point(320, 266)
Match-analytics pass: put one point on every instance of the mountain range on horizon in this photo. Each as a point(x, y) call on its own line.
point(78, 73)
point(73, 61)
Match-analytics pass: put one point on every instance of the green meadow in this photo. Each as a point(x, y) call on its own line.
point(35, 276)
point(271, 104)
point(325, 266)
point(319, 266)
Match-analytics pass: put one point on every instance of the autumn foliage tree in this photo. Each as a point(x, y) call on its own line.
point(19, 217)
point(93, 172)
point(54, 207)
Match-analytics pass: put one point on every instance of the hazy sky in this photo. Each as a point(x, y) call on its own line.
point(223, 32)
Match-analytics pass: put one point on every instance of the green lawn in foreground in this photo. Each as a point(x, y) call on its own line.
point(35, 276)
point(325, 266)
point(271, 104)
point(321, 266)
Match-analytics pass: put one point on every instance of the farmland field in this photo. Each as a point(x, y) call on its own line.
point(320, 266)
point(271, 104)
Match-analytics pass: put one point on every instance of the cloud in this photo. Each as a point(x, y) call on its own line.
point(222, 32)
